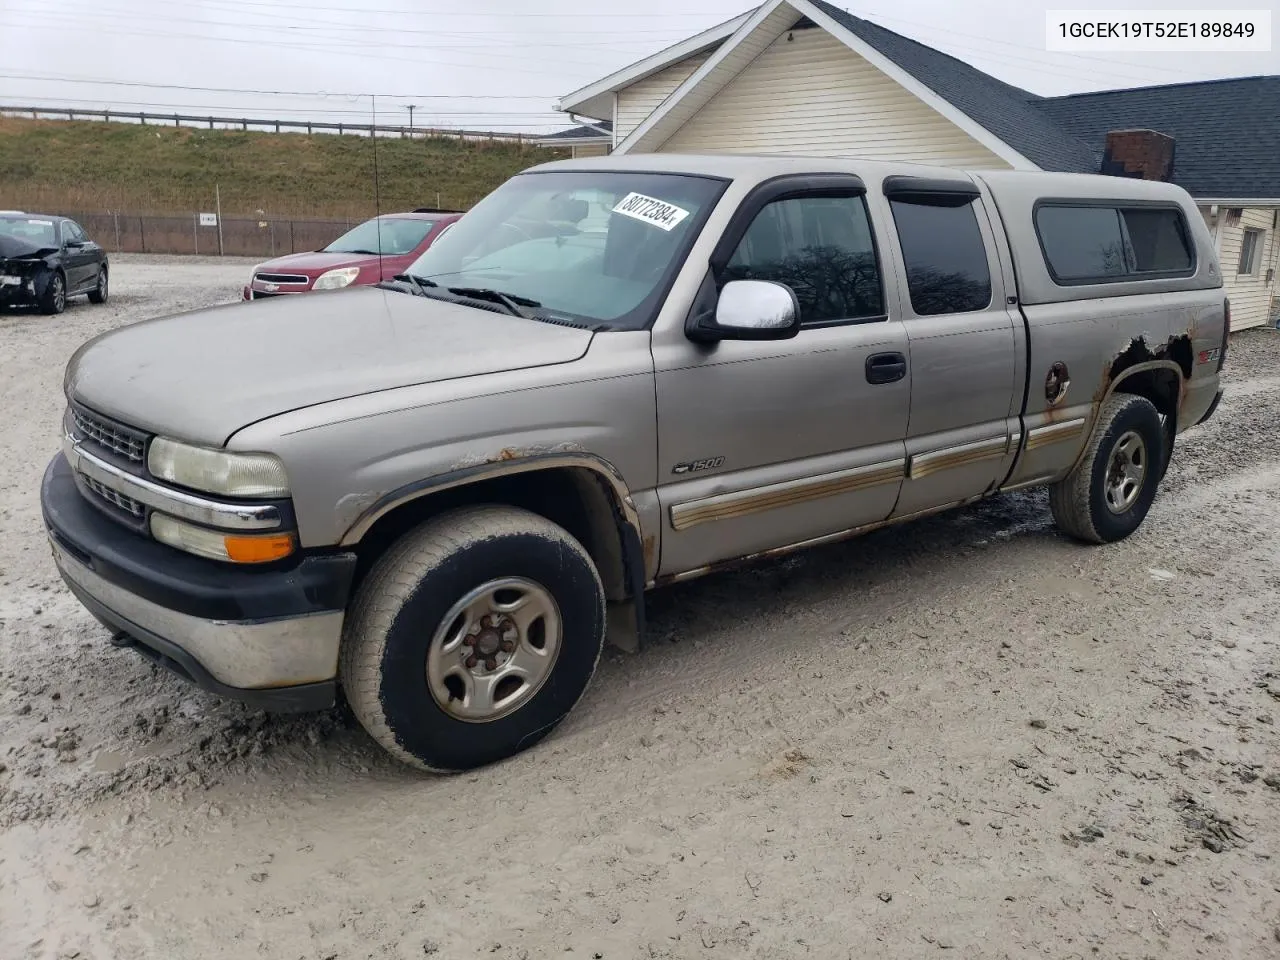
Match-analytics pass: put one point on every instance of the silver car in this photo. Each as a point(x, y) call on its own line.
point(444, 493)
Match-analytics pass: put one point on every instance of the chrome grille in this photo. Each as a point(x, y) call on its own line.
point(114, 497)
point(282, 278)
point(111, 436)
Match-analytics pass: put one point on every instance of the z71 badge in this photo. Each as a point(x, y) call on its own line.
point(693, 466)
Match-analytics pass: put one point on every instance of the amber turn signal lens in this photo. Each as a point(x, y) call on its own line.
point(258, 549)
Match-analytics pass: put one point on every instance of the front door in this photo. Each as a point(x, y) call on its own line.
point(967, 344)
point(80, 258)
point(773, 443)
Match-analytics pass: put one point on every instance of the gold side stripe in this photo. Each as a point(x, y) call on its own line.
point(1055, 433)
point(924, 464)
point(727, 506)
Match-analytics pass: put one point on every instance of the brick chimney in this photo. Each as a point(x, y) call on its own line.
point(1142, 154)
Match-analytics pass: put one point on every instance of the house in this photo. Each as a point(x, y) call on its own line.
point(586, 140)
point(805, 77)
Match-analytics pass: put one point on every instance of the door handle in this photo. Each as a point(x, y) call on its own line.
point(886, 367)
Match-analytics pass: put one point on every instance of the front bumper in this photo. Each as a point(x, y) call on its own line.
point(22, 294)
point(267, 636)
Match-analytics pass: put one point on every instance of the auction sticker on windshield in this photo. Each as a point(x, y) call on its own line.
point(658, 213)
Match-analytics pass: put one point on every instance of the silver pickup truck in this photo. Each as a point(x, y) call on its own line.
point(445, 492)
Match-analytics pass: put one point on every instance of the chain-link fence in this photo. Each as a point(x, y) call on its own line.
point(234, 237)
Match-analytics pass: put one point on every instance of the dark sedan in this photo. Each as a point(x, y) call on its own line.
point(44, 260)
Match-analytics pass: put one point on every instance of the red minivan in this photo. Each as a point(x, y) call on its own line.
point(353, 258)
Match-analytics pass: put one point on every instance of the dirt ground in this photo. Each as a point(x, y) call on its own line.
point(967, 737)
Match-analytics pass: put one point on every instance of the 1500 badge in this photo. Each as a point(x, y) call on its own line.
point(693, 466)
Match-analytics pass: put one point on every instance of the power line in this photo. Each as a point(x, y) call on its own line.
point(80, 103)
point(333, 49)
point(319, 94)
point(310, 24)
point(419, 13)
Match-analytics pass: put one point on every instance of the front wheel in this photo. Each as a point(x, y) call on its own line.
point(1108, 494)
point(54, 300)
point(473, 637)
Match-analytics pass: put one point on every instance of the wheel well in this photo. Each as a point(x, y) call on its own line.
point(1161, 385)
point(573, 497)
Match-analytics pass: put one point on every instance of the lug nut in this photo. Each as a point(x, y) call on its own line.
point(468, 641)
point(471, 662)
point(491, 664)
point(508, 646)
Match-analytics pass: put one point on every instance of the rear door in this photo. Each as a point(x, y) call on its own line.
point(967, 352)
point(765, 444)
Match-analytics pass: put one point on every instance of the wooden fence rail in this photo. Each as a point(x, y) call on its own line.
point(247, 123)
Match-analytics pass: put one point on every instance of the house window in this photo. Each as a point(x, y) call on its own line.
point(1250, 252)
point(946, 258)
point(1100, 243)
point(819, 246)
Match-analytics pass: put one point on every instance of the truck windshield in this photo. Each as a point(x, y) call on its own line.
point(397, 237)
point(597, 247)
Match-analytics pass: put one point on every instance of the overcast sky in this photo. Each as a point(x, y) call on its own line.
point(500, 65)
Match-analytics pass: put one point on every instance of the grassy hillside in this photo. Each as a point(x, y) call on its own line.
point(97, 166)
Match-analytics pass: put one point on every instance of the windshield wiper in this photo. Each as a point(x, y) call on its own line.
point(511, 301)
point(419, 284)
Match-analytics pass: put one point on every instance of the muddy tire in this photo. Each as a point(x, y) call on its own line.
point(472, 637)
point(54, 299)
point(100, 291)
point(1108, 494)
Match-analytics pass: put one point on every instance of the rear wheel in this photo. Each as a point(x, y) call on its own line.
point(54, 299)
point(473, 637)
point(1108, 494)
point(99, 293)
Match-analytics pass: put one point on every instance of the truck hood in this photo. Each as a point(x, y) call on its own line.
point(201, 376)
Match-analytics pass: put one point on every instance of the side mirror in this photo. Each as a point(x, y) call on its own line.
point(749, 310)
point(75, 244)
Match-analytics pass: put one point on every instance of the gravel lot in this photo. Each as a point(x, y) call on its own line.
point(968, 735)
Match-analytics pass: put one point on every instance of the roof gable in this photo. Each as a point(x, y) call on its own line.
point(596, 99)
point(1005, 110)
point(765, 24)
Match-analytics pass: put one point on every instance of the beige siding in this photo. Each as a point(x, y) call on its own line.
point(637, 101)
point(591, 150)
point(813, 95)
point(1250, 294)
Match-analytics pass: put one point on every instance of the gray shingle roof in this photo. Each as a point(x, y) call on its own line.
point(1001, 108)
point(580, 133)
point(1226, 132)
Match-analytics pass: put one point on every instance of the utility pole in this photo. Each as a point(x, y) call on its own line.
point(410, 107)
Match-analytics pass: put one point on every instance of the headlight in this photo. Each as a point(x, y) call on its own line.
point(235, 548)
point(336, 279)
point(218, 471)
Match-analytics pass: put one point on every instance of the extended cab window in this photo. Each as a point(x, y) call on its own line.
point(1100, 243)
point(821, 248)
point(945, 256)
